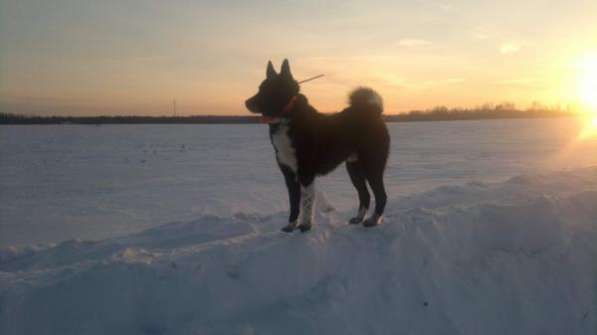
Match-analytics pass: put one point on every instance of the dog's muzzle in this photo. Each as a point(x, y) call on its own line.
point(251, 105)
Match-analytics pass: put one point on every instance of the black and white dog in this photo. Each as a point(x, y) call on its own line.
point(309, 143)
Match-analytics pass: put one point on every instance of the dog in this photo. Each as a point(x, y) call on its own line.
point(308, 144)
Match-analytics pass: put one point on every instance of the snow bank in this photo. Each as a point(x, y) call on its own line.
point(517, 257)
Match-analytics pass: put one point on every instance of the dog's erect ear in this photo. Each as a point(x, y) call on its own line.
point(285, 71)
point(270, 73)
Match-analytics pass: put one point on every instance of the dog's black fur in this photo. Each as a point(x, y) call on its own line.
point(309, 143)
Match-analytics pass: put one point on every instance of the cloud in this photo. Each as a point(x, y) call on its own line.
point(446, 7)
point(437, 83)
point(516, 82)
point(509, 48)
point(538, 83)
point(480, 33)
point(447, 81)
point(412, 42)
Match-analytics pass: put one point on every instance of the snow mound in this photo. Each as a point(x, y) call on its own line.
point(509, 258)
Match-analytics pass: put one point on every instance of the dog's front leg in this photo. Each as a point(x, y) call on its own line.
point(294, 197)
point(307, 203)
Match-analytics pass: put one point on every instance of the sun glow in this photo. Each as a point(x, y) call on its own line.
point(589, 130)
point(587, 94)
point(587, 81)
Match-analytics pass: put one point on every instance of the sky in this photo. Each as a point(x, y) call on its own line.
point(78, 57)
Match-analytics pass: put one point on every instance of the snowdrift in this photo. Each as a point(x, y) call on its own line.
point(518, 257)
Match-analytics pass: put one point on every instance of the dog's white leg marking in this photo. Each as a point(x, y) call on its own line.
point(307, 202)
point(374, 220)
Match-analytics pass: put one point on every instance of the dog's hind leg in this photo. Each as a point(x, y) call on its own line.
point(375, 180)
point(294, 197)
point(357, 176)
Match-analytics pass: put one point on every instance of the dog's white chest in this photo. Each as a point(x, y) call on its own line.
point(285, 152)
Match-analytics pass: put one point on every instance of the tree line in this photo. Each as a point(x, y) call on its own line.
point(441, 113)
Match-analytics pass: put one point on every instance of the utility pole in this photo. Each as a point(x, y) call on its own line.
point(174, 106)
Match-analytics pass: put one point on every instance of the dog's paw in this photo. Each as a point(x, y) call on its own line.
point(359, 217)
point(373, 220)
point(304, 228)
point(289, 228)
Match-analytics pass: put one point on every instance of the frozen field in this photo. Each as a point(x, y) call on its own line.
point(94, 182)
point(491, 228)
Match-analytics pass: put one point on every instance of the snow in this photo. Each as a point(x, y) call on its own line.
point(88, 182)
point(516, 257)
point(507, 249)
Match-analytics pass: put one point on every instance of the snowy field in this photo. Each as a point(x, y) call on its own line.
point(491, 228)
point(90, 182)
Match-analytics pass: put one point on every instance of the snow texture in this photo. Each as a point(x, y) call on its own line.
point(176, 230)
point(516, 257)
point(61, 182)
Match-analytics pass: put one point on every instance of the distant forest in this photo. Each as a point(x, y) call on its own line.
point(485, 112)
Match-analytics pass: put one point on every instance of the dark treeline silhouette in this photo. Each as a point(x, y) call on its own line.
point(501, 111)
point(6, 118)
point(484, 112)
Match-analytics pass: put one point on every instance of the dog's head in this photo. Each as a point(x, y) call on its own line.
point(275, 92)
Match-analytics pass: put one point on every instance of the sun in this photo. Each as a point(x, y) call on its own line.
point(587, 82)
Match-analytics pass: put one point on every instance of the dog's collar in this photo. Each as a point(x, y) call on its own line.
point(289, 105)
point(287, 109)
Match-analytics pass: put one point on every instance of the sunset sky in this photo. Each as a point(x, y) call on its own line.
point(76, 57)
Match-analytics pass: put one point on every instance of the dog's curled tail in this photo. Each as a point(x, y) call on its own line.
point(366, 100)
